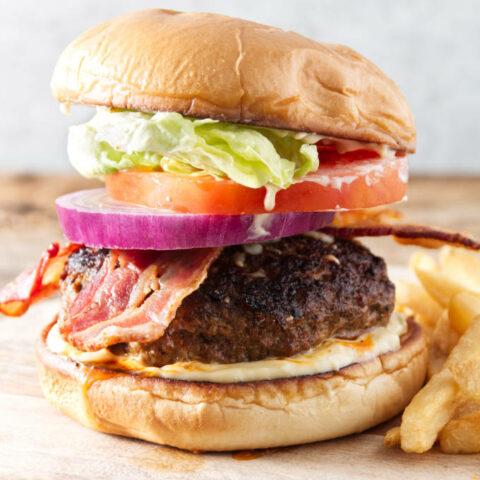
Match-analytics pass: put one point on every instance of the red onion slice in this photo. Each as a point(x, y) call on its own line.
point(91, 218)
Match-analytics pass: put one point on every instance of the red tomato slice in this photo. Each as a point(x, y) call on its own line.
point(347, 181)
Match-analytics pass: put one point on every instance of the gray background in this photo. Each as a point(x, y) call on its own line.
point(430, 48)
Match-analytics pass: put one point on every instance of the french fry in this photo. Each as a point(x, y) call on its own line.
point(429, 411)
point(417, 300)
point(466, 407)
point(468, 347)
point(436, 403)
point(392, 437)
point(461, 435)
point(467, 375)
point(441, 288)
point(461, 265)
point(462, 309)
point(424, 261)
point(444, 337)
point(447, 304)
point(436, 360)
point(464, 361)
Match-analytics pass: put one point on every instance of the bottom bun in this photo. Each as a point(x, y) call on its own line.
point(204, 416)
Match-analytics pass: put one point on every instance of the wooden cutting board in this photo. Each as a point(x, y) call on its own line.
point(38, 442)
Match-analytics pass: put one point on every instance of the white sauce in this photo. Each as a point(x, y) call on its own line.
point(343, 146)
point(320, 236)
point(323, 180)
point(259, 226)
point(331, 355)
point(239, 259)
point(337, 182)
point(269, 201)
point(373, 173)
point(253, 248)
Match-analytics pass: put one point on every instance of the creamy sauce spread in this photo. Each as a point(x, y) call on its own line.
point(253, 248)
point(259, 226)
point(343, 146)
point(320, 236)
point(332, 354)
point(372, 173)
point(269, 200)
point(334, 182)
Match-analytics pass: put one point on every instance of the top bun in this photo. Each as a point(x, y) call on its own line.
point(207, 65)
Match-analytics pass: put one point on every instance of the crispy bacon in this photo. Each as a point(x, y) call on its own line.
point(133, 297)
point(37, 282)
point(105, 296)
point(378, 222)
point(427, 237)
point(107, 311)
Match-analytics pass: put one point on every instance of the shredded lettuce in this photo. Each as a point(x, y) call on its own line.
point(116, 140)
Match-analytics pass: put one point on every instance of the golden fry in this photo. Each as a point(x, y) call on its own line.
point(436, 360)
point(467, 375)
point(415, 298)
point(448, 305)
point(466, 407)
point(424, 261)
point(392, 437)
point(463, 308)
point(429, 411)
point(461, 435)
point(468, 347)
point(461, 265)
point(464, 361)
point(441, 288)
point(444, 337)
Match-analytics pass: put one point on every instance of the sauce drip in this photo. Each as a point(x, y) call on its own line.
point(365, 344)
point(244, 455)
point(90, 376)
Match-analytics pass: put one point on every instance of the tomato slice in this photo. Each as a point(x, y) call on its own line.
point(346, 181)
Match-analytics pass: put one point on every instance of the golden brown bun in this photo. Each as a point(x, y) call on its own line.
point(213, 416)
point(207, 65)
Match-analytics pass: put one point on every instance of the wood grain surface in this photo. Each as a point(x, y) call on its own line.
point(37, 442)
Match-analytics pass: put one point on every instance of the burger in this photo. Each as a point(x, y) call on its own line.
point(213, 296)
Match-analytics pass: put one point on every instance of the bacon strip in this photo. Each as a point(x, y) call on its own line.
point(108, 312)
point(426, 237)
point(36, 283)
point(104, 297)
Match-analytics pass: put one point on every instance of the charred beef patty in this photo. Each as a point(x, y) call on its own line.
point(274, 299)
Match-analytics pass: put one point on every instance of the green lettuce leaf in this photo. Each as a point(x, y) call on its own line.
point(116, 140)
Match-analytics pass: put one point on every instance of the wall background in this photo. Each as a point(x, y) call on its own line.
point(431, 48)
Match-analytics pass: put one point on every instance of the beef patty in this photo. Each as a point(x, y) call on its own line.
point(274, 299)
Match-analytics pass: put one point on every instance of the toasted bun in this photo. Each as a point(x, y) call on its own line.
point(207, 65)
point(213, 416)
